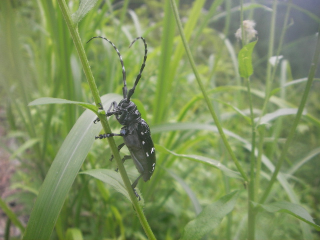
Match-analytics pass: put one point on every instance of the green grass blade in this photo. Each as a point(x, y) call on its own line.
point(26, 145)
point(292, 209)
point(11, 215)
point(164, 64)
point(62, 174)
point(306, 159)
point(187, 189)
point(205, 160)
point(48, 100)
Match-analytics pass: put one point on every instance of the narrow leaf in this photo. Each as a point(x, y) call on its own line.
point(245, 60)
point(48, 100)
point(84, 8)
point(210, 217)
point(192, 196)
point(278, 113)
point(292, 209)
point(24, 147)
point(206, 160)
point(11, 215)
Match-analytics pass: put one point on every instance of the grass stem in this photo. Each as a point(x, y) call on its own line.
point(85, 64)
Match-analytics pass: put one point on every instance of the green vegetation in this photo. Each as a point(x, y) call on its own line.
point(236, 134)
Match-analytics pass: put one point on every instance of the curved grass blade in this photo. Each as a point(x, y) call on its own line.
point(278, 113)
point(206, 160)
point(187, 189)
point(26, 145)
point(11, 215)
point(62, 174)
point(292, 209)
point(309, 157)
point(48, 100)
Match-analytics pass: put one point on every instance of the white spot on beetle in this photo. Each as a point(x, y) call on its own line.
point(142, 133)
point(147, 154)
point(143, 142)
point(152, 150)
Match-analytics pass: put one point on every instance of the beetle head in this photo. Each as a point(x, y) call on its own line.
point(128, 112)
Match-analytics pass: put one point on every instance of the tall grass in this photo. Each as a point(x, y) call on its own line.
point(207, 168)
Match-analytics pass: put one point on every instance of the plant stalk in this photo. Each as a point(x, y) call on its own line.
point(73, 29)
point(207, 100)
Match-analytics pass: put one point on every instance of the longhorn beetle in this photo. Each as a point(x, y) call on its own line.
point(135, 131)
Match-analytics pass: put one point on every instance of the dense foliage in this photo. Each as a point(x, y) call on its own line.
point(197, 168)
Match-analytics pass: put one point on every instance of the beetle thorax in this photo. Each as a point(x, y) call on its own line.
point(128, 113)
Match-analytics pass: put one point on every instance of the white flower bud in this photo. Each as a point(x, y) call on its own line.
point(249, 31)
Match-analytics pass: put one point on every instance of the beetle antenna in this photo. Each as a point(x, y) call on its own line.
point(124, 89)
point(131, 91)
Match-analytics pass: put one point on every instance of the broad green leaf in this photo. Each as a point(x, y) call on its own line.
point(74, 234)
point(48, 100)
point(245, 60)
point(62, 173)
point(201, 159)
point(84, 7)
point(210, 217)
point(110, 177)
point(292, 209)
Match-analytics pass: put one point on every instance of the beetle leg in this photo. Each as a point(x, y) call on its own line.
point(97, 119)
point(109, 113)
point(134, 184)
point(123, 160)
point(119, 147)
point(114, 105)
point(107, 135)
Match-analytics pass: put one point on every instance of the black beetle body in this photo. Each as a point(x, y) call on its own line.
point(135, 131)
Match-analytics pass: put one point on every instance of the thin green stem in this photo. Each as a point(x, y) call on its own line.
point(258, 162)
point(207, 100)
point(271, 75)
point(270, 53)
point(295, 122)
point(251, 214)
point(85, 64)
